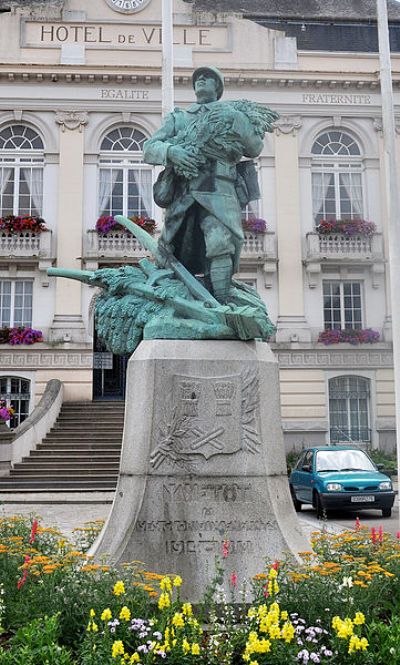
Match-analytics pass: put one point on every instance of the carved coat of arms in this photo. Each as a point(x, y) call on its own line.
point(207, 416)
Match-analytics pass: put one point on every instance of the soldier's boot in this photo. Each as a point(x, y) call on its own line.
point(220, 276)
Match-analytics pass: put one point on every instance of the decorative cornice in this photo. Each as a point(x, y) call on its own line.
point(51, 359)
point(290, 79)
point(334, 358)
point(288, 124)
point(71, 120)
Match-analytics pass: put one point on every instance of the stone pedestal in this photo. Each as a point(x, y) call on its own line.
point(202, 462)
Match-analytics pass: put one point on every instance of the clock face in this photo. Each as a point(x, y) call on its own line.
point(127, 6)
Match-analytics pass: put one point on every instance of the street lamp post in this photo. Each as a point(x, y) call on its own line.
point(393, 198)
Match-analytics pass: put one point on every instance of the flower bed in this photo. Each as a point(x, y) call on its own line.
point(20, 335)
point(348, 227)
point(107, 223)
point(254, 225)
point(61, 608)
point(349, 335)
point(12, 224)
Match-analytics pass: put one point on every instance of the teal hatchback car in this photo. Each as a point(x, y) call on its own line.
point(340, 477)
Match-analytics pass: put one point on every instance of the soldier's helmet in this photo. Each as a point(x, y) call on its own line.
point(215, 73)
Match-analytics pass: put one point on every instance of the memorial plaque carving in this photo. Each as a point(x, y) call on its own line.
point(208, 416)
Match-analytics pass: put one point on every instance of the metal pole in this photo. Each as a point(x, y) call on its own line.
point(393, 199)
point(167, 72)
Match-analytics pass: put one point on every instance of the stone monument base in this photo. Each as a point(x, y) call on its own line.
point(202, 462)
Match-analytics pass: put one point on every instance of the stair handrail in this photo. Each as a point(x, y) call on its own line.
point(35, 428)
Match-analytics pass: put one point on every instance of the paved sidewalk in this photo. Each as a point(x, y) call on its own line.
point(54, 511)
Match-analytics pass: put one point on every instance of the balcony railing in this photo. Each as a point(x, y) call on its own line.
point(338, 246)
point(26, 245)
point(259, 246)
point(114, 245)
point(117, 245)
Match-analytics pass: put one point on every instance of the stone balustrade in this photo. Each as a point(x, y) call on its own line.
point(118, 245)
point(338, 246)
point(27, 245)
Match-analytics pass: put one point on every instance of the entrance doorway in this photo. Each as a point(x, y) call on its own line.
point(109, 373)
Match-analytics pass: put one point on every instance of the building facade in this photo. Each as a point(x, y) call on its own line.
point(80, 86)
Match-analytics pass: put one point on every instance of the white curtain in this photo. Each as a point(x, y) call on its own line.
point(34, 181)
point(320, 185)
point(352, 184)
point(143, 179)
point(5, 174)
point(107, 181)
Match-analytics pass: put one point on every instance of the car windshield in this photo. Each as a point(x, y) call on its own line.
point(343, 460)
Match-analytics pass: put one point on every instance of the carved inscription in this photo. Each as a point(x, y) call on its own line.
point(207, 546)
point(212, 492)
point(186, 526)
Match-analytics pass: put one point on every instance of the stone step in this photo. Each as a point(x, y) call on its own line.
point(60, 435)
point(53, 466)
point(57, 472)
point(57, 485)
point(54, 457)
point(73, 447)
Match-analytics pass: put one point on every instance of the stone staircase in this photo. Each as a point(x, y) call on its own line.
point(81, 452)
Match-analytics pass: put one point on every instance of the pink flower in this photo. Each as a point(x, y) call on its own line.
point(22, 580)
point(358, 524)
point(373, 535)
point(225, 548)
point(380, 534)
point(33, 531)
point(234, 579)
point(398, 535)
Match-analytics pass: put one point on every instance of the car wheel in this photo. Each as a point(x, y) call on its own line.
point(386, 512)
point(297, 504)
point(320, 510)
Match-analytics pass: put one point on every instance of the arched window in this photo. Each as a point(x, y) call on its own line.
point(349, 409)
point(125, 182)
point(16, 393)
point(21, 171)
point(336, 177)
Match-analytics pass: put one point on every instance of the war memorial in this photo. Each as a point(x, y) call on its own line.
point(203, 461)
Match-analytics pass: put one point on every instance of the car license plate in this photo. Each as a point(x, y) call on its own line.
point(361, 499)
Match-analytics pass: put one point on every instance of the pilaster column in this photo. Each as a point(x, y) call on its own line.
point(387, 324)
point(291, 325)
point(68, 324)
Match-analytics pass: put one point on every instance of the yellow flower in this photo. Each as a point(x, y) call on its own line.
point(187, 609)
point(92, 613)
point(125, 613)
point(287, 632)
point(135, 658)
point(117, 649)
point(185, 646)
point(92, 627)
point(106, 614)
point(177, 581)
point(178, 620)
point(164, 601)
point(195, 649)
point(165, 584)
point(119, 588)
point(359, 619)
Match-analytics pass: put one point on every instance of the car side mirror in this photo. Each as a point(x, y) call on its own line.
point(380, 466)
point(306, 467)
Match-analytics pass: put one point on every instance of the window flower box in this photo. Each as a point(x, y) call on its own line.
point(254, 225)
point(14, 224)
point(347, 227)
point(107, 223)
point(349, 335)
point(20, 335)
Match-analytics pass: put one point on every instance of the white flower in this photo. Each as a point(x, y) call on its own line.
point(347, 583)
